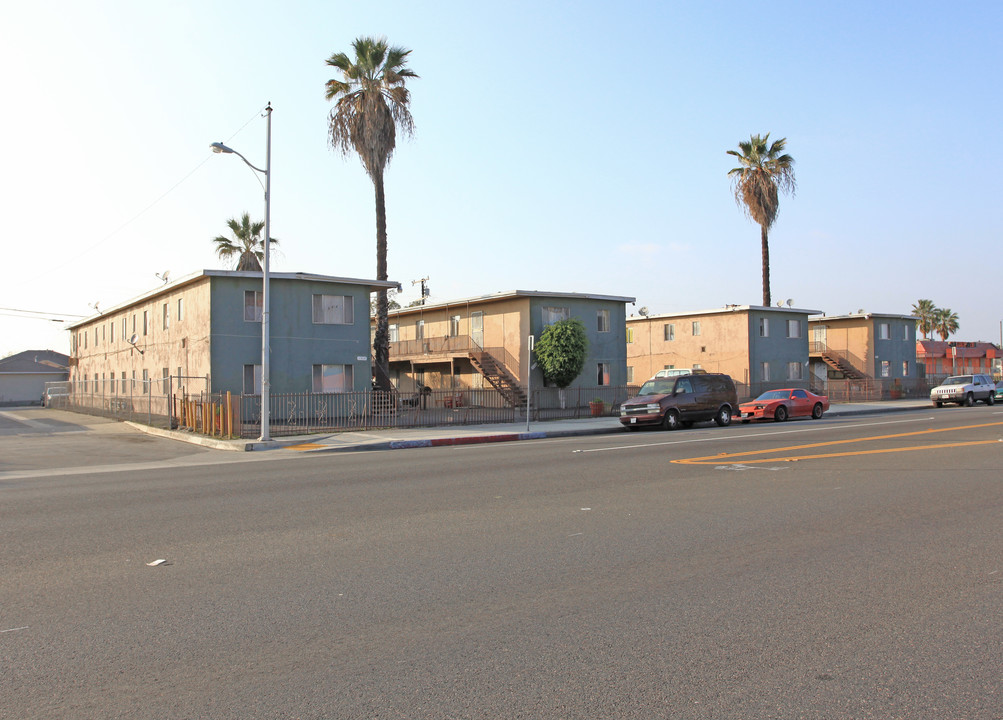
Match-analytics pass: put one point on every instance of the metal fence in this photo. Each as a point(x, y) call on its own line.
point(149, 401)
point(305, 413)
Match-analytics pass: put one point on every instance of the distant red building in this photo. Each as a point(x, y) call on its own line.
point(958, 358)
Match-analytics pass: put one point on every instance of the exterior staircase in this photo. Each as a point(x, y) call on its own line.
point(500, 378)
point(837, 362)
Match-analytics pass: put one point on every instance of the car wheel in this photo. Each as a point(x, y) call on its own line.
point(991, 400)
point(671, 421)
point(816, 412)
point(939, 404)
point(781, 414)
point(969, 400)
point(723, 418)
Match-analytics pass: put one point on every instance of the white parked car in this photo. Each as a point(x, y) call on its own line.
point(965, 390)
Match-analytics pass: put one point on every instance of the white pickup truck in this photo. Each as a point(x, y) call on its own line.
point(964, 390)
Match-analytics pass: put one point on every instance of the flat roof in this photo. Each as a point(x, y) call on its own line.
point(862, 316)
point(509, 294)
point(722, 311)
point(174, 285)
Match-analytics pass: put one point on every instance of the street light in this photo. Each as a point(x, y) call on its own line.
point(218, 147)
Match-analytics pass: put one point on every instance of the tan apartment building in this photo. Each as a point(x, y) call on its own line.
point(863, 347)
point(759, 347)
point(483, 342)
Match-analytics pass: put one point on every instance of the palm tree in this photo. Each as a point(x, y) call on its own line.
point(246, 243)
point(765, 170)
point(372, 102)
point(924, 310)
point(945, 322)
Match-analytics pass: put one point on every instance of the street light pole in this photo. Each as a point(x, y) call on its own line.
point(219, 147)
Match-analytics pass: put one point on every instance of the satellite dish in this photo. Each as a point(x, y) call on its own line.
point(133, 339)
point(789, 302)
point(644, 311)
point(95, 306)
point(164, 276)
point(780, 303)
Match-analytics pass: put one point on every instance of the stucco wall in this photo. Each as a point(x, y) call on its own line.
point(297, 344)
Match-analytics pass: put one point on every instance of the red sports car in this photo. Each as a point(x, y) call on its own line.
point(781, 404)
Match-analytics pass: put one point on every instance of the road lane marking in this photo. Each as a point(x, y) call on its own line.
point(719, 458)
point(743, 436)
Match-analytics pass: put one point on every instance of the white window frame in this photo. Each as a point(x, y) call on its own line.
point(333, 310)
point(550, 315)
point(454, 325)
point(333, 378)
point(884, 331)
point(764, 327)
point(253, 306)
point(905, 368)
point(603, 374)
point(795, 370)
point(181, 310)
point(393, 332)
point(695, 327)
point(602, 321)
point(793, 329)
point(254, 371)
point(167, 316)
point(669, 332)
point(764, 371)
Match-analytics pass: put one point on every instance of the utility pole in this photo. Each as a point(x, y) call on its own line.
point(424, 288)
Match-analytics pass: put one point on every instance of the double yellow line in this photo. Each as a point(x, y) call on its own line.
point(740, 457)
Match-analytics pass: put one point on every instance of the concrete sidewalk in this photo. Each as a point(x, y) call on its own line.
point(402, 438)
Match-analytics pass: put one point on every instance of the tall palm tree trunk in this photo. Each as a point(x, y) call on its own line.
point(766, 267)
point(381, 343)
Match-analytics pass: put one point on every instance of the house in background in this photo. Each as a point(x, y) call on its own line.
point(203, 333)
point(759, 347)
point(940, 358)
point(482, 342)
point(23, 375)
point(863, 347)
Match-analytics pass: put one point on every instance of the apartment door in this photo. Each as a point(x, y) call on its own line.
point(818, 336)
point(477, 328)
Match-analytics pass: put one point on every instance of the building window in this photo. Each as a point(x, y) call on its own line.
point(630, 335)
point(95, 337)
point(181, 309)
point(167, 315)
point(85, 339)
point(794, 329)
point(764, 327)
point(394, 333)
point(125, 327)
point(134, 323)
point(332, 378)
point(111, 331)
point(669, 332)
point(551, 315)
point(333, 310)
point(695, 327)
point(883, 331)
point(602, 375)
point(454, 326)
point(630, 373)
point(905, 333)
point(145, 323)
point(602, 321)
point(419, 329)
point(252, 379)
point(905, 368)
point(794, 369)
point(111, 383)
point(764, 371)
point(885, 368)
point(253, 301)
point(697, 366)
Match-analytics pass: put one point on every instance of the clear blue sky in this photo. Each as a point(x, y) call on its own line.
point(558, 146)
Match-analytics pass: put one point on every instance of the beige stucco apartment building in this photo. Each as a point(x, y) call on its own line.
point(759, 347)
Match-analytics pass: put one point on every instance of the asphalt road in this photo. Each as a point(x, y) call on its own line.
point(846, 568)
